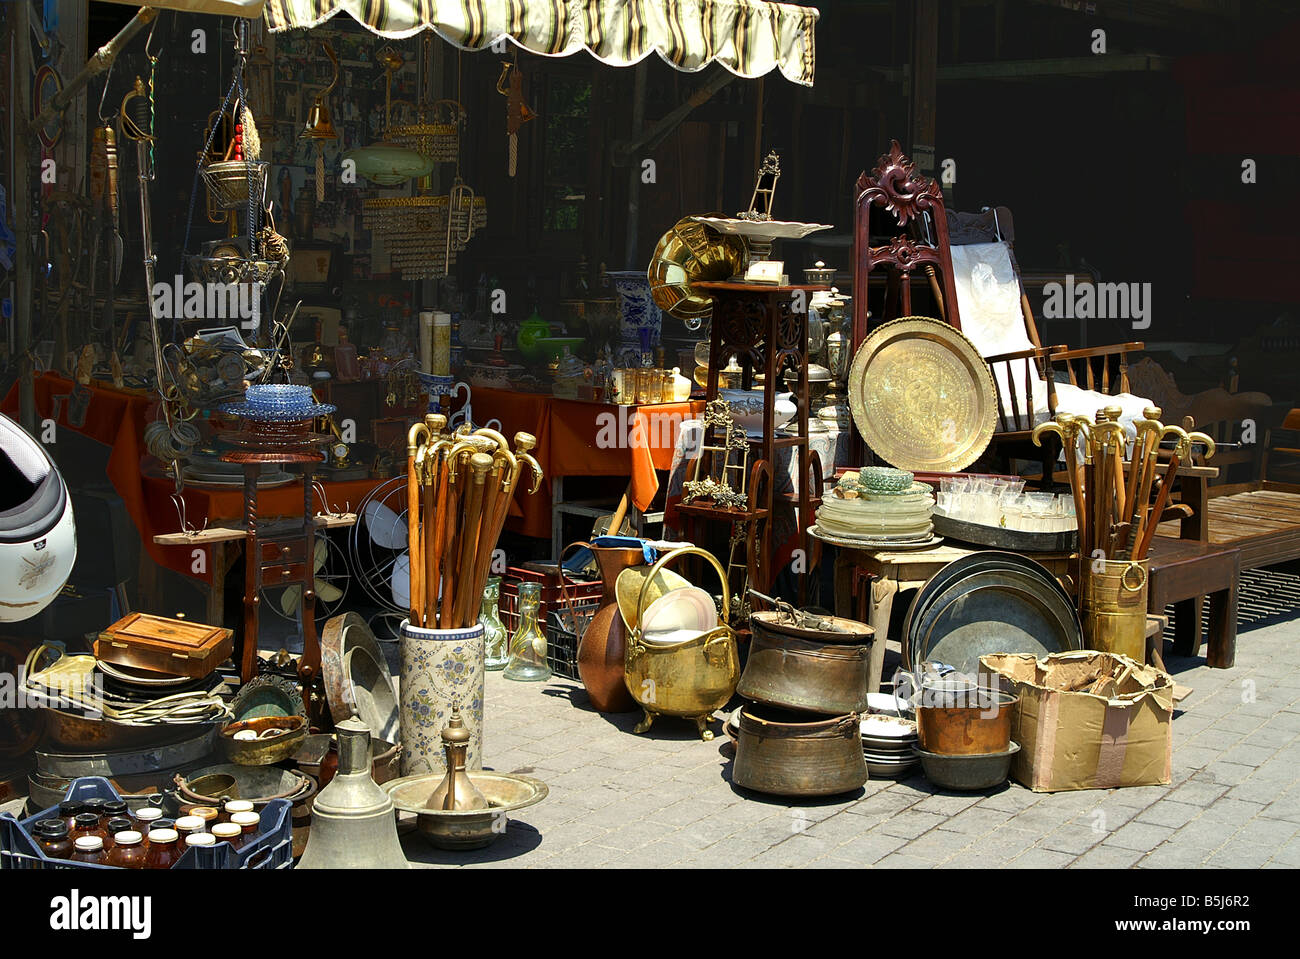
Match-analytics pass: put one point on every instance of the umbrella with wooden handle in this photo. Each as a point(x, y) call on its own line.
point(1181, 452)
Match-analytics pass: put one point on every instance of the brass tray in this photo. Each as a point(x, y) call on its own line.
point(922, 397)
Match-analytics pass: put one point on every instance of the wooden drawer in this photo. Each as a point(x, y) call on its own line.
point(174, 646)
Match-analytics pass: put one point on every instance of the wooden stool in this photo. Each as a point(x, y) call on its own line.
point(1182, 572)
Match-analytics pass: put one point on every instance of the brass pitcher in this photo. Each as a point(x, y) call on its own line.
point(689, 680)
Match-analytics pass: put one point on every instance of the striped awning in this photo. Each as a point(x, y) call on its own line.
point(748, 37)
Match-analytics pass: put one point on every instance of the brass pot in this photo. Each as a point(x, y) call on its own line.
point(817, 671)
point(691, 679)
point(790, 754)
point(278, 738)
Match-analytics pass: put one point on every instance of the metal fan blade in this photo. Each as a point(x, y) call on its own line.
point(327, 592)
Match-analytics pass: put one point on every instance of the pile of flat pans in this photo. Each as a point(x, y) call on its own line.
point(989, 602)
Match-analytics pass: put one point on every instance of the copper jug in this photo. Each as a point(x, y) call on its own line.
point(603, 646)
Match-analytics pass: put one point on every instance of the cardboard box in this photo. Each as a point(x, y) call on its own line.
point(1087, 720)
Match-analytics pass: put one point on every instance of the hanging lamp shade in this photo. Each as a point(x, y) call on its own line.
point(388, 164)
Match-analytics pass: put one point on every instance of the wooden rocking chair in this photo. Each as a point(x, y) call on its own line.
point(917, 207)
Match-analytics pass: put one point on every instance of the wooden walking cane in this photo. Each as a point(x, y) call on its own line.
point(1147, 433)
point(414, 540)
point(1181, 452)
point(479, 464)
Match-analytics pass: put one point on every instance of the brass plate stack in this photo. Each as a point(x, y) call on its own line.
point(922, 397)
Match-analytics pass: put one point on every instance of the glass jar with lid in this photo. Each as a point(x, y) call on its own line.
point(188, 825)
point(228, 832)
point(52, 837)
point(129, 850)
point(89, 849)
point(204, 840)
point(87, 824)
point(68, 811)
point(116, 825)
point(233, 806)
point(164, 849)
point(145, 817)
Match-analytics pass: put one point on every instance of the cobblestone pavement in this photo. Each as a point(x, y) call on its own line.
point(665, 798)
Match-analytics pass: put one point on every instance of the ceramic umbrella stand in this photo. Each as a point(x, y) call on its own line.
point(441, 669)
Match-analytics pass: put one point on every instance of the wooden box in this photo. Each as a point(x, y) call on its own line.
point(173, 646)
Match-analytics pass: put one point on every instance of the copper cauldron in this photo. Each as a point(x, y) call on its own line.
point(792, 754)
point(691, 679)
point(813, 670)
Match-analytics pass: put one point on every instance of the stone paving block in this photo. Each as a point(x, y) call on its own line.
point(1040, 858)
point(1195, 757)
point(1138, 835)
point(1172, 856)
point(974, 857)
point(1227, 810)
point(889, 801)
point(946, 804)
point(842, 827)
point(705, 832)
point(683, 812)
point(830, 862)
point(868, 850)
point(1266, 832)
point(1198, 793)
point(1107, 857)
point(732, 852)
point(633, 836)
point(1216, 738)
point(1007, 842)
point(1168, 812)
point(793, 853)
point(1268, 735)
point(1288, 855)
point(976, 821)
point(901, 861)
point(1072, 839)
point(1224, 774)
point(1241, 855)
point(1257, 790)
point(1246, 755)
point(665, 852)
point(590, 855)
point(1013, 799)
point(938, 845)
point(911, 823)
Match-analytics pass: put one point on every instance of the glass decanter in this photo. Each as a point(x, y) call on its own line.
point(496, 641)
point(528, 645)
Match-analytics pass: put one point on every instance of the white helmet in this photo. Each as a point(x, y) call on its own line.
point(38, 539)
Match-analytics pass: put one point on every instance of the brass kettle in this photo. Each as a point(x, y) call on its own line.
point(352, 821)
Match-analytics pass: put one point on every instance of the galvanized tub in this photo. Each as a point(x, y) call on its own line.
point(1113, 601)
point(815, 671)
point(790, 754)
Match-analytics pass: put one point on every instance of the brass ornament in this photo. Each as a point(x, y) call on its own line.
point(688, 254)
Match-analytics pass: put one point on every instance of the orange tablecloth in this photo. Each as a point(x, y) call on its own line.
point(584, 439)
point(117, 419)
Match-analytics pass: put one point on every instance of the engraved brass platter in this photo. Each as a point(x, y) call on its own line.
point(922, 397)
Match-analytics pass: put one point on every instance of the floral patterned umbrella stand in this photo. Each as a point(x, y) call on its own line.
point(440, 668)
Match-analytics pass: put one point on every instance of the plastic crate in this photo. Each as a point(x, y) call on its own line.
point(562, 642)
point(272, 849)
point(577, 591)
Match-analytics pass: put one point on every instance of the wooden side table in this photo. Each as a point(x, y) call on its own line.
point(893, 571)
point(1184, 571)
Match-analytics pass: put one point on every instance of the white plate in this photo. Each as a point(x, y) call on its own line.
point(888, 727)
point(886, 704)
point(868, 542)
point(761, 229)
point(687, 608)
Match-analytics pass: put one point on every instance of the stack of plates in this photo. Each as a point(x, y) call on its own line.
point(887, 745)
point(989, 602)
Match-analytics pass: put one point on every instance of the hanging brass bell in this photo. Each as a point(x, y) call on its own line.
point(352, 821)
point(319, 126)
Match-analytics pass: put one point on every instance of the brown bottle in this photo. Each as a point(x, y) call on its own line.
point(89, 849)
point(128, 852)
point(229, 832)
point(164, 849)
point(249, 823)
point(209, 814)
point(52, 838)
point(68, 811)
point(87, 824)
point(145, 818)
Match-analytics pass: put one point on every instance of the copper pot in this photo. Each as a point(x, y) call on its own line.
point(803, 669)
point(961, 720)
point(603, 647)
point(791, 754)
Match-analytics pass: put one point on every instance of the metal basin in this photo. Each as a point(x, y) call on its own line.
point(968, 773)
point(278, 738)
point(468, 829)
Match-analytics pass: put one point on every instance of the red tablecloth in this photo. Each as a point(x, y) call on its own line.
point(584, 439)
point(117, 419)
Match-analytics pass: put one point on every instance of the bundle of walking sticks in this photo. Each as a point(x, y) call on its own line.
point(459, 487)
point(1115, 514)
